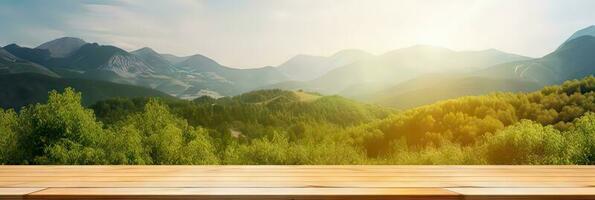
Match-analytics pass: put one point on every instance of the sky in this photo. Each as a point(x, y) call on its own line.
point(257, 33)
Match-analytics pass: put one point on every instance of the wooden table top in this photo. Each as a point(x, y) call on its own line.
point(297, 182)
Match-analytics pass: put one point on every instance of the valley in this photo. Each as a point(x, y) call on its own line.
point(554, 125)
point(68, 101)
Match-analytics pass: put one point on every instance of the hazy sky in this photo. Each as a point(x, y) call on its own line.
point(257, 33)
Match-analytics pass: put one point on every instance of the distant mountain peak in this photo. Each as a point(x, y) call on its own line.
point(201, 58)
point(144, 50)
point(351, 53)
point(587, 31)
point(419, 49)
point(199, 62)
point(62, 47)
point(104, 48)
point(578, 42)
point(93, 56)
point(491, 50)
point(34, 55)
point(588, 28)
point(300, 57)
point(173, 59)
point(154, 60)
point(304, 67)
point(11, 46)
point(69, 39)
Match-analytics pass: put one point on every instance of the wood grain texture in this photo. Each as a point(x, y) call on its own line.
point(526, 193)
point(16, 193)
point(248, 193)
point(297, 182)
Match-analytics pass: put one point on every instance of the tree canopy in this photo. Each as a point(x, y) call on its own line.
point(555, 125)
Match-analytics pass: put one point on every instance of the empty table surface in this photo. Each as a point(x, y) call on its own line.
point(297, 182)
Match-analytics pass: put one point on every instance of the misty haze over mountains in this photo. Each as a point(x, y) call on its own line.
point(398, 78)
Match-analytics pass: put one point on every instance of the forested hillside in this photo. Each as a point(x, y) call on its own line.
point(551, 126)
point(555, 125)
point(29, 88)
point(430, 89)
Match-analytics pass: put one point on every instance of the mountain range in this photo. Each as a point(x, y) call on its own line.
point(397, 66)
point(10, 64)
point(404, 77)
point(62, 47)
point(308, 67)
point(572, 60)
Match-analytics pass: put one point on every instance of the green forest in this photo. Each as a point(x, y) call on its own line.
point(555, 125)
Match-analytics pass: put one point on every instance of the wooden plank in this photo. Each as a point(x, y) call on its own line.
point(246, 193)
point(298, 179)
point(526, 193)
point(302, 182)
point(162, 171)
point(16, 193)
point(306, 174)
